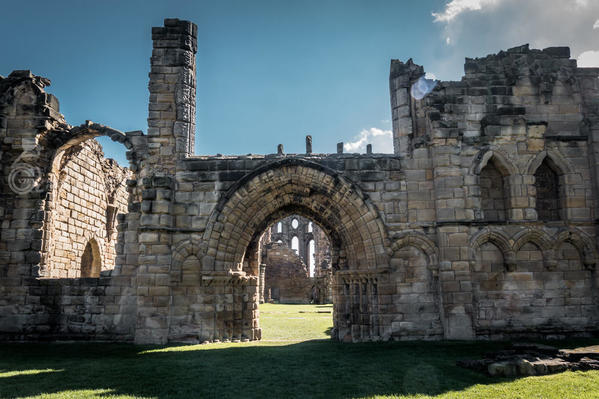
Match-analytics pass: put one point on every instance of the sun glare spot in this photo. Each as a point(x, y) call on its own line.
point(422, 87)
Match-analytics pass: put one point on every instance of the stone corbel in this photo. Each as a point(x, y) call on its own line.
point(111, 212)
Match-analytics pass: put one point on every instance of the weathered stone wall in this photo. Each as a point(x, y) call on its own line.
point(315, 289)
point(90, 192)
point(531, 296)
point(34, 305)
point(287, 279)
point(305, 231)
point(509, 155)
point(482, 224)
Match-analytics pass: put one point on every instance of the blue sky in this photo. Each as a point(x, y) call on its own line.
point(271, 72)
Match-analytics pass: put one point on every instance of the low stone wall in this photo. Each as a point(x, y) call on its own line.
point(68, 309)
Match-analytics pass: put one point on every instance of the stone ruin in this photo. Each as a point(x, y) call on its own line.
point(287, 274)
point(481, 225)
point(526, 359)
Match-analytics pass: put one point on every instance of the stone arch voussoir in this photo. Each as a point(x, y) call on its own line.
point(584, 245)
point(500, 240)
point(502, 162)
point(555, 157)
point(536, 236)
point(316, 191)
point(420, 241)
point(183, 250)
point(542, 240)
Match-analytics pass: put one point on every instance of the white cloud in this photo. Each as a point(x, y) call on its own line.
point(381, 140)
point(589, 59)
point(480, 27)
point(456, 7)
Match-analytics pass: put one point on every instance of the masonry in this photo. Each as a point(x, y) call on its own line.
point(295, 265)
point(481, 225)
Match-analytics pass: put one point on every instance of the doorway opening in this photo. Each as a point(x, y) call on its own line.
point(296, 286)
point(296, 262)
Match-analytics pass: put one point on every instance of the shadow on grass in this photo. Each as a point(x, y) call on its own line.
point(318, 368)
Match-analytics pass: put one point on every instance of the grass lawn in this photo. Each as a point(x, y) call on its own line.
point(295, 359)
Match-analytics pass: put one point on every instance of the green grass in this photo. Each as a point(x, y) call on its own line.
point(282, 323)
point(294, 360)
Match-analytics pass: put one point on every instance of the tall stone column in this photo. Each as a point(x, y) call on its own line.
point(171, 118)
point(171, 130)
point(261, 281)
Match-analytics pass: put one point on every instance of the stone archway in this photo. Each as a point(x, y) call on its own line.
point(86, 192)
point(287, 187)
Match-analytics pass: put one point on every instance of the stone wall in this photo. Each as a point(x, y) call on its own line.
point(317, 288)
point(287, 279)
point(305, 231)
point(55, 189)
point(90, 192)
point(482, 224)
point(509, 153)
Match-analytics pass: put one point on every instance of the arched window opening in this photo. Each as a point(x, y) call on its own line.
point(295, 244)
point(493, 193)
point(311, 253)
point(547, 185)
point(90, 260)
point(310, 227)
point(279, 227)
point(294, 223)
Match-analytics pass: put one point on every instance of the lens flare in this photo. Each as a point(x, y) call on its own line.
point(422, 87)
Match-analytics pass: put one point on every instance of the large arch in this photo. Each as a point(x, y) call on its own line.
point(287, 187)
point(356, 232)
point(60, 149)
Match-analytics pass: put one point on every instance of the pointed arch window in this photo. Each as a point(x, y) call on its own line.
point(295, 244)
point(493, 192)
point(547, 184)
point(91, 264)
